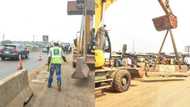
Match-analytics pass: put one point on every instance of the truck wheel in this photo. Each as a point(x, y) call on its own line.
point(122, 81)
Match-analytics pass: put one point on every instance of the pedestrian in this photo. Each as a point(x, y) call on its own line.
point(129, 61)
point(55, 59)
point(146, 66)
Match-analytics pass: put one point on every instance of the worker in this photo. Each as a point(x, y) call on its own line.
point(129, 61)
point(146, 66)
point(55, 59)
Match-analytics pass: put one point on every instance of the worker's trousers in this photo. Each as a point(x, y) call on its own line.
point(57, 68)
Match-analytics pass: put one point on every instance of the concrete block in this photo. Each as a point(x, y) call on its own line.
point(15, 90)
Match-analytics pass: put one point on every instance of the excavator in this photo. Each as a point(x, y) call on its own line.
point(93, 53)
point(93, 50)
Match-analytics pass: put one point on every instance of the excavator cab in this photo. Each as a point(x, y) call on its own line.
point(107, 75)
point(103, 53)
point(103, 48)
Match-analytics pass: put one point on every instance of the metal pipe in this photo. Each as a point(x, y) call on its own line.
point(85, 23)
point(87, 27)
point(81, 36)
point(175, 49)
point(157, 59)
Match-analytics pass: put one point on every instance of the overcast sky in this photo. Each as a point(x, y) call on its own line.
point(128, 21)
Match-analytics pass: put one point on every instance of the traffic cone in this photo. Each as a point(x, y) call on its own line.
point(20, 64)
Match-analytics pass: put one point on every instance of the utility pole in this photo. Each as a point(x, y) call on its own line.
point(33, 38)
point(3, 37)
point(133, 46)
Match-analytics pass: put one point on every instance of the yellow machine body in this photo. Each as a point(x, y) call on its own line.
point(99, 58)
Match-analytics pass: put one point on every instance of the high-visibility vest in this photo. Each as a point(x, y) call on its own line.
point(56, 55)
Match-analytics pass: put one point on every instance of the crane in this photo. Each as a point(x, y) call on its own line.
point(91, 44)
point(167, 22)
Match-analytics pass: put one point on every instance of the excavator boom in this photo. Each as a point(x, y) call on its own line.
point(165, 6)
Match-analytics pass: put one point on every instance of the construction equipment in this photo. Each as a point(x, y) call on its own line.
point(111, 71)
point(83, 61)
point(93, 51)
point(167, 22)
point(93, 45)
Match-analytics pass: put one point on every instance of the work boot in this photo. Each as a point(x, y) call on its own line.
point(59, 85)
point(59, 88)
point(49, 86)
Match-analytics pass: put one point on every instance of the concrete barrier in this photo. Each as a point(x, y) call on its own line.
point(171, 68)
point(35, 49)
point(15, 90)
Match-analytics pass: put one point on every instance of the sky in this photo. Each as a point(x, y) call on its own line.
point(21, 19)
point(128, 21)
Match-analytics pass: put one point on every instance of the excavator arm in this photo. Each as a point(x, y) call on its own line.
point(165, 6)
point(100, 8)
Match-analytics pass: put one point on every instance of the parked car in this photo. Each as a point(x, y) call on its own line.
point(1, 49)
point(14, 51)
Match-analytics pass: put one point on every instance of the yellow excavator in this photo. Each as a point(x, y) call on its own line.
point(93, 53)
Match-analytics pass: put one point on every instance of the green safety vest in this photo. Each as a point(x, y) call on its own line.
point(56, 55)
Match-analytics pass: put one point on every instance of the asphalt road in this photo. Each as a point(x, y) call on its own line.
point(9, 66)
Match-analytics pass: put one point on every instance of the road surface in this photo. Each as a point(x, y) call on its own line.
point(149, 94)
point(9, 66)
point(75, 93)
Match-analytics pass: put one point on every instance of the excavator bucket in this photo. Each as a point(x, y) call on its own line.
point(82, 70)
point(165, 22)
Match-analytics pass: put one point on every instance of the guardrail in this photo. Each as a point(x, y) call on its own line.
point(15, 90)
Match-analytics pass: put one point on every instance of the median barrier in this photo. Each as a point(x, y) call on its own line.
point(15, 90)
point(35, 49)
point(171, 68)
